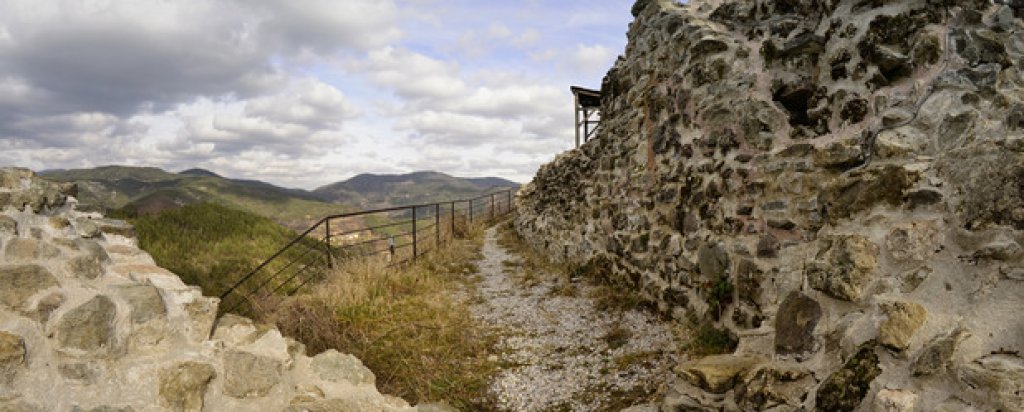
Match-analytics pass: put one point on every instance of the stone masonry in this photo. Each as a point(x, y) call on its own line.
point(88, 322)
point(837, 183)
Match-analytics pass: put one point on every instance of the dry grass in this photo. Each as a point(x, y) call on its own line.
point(407, 325)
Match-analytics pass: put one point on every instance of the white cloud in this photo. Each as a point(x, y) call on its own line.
point(297, 92)
point(591, 57)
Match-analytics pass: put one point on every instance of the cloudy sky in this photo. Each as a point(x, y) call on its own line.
point(299, 92)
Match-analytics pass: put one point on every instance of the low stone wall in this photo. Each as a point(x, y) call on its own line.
point(88, 322)
point(835, 183)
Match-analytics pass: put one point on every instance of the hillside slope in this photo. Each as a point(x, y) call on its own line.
point(370, 190)
point(837, 184)
point(146, 190)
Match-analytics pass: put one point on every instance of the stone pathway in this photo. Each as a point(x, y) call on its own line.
point(562, 354)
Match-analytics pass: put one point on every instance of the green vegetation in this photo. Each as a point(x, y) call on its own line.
point(719, 296)
point(209, 245)
point(706, 339)
point(138, 191)
point(405, 324)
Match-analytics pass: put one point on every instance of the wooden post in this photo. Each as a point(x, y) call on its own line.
point(453, 220)
point(414, 233)
point(576, 110)
point(437, 225)
point(509, 196)
point(491, 214)
point(327, 241)
point(471, 211)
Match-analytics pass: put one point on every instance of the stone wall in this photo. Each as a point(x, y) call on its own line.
point(838, 183)
point(88, 322)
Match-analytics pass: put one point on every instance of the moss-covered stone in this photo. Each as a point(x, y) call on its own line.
point(846, 388)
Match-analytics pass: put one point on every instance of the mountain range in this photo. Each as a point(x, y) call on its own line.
point(370, 190)
point(148, 190)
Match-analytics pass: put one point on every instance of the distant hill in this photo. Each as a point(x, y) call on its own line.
point(149, 190)
point(371, 190)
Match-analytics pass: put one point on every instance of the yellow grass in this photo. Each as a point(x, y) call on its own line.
point(408, 325)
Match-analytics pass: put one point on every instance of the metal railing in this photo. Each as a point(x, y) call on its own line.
point(399, 234)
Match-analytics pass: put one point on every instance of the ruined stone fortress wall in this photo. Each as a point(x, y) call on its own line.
point(838, 183)
point(88, 322)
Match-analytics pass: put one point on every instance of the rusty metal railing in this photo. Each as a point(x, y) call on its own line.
point(400, 234)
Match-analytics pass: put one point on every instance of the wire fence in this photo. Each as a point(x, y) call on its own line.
point(399, 234)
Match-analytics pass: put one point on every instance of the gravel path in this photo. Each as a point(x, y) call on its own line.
point(560, 352)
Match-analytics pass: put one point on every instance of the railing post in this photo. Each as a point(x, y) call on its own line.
point(508, 194)
point(327, 240)
point(414, 233)
point(491, 214)
point(453, 220)
point(471, 211)
point(437, 225)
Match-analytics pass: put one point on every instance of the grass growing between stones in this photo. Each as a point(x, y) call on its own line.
point(407, 325)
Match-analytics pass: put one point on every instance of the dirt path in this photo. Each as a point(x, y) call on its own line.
point(562, 354)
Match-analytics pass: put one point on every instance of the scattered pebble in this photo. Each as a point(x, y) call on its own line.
point(561, 352)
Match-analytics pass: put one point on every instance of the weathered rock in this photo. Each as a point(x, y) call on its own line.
point(845, 266)
point(1000, 377)
point(88, 327)
point(767, 386)
point(935, 357)
point(334, 366)
point(59, 222)
point(915, 241)
point(895, 400)
point(93, 249)
point(12, 357)
point(444, 407)
point(712, 261)
point(80, 372)
point(86, 228)
point(794, 324)
point(884, 185)
point(87, 267)
point(145, 302)
point(8, 225)
point(249, 376)
point(328, 405)
point(904, 318)
point(19, 249)
point(717, 373)
point(46, 306)
point(115, 227)
point(183, 385)
point(21, 282)
point(19, 406)
point(105, 408)
point(21, 188)
point(846, 388)
point(1000, 250)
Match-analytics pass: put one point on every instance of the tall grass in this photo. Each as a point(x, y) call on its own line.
point(411, 325)
point(209, 245)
